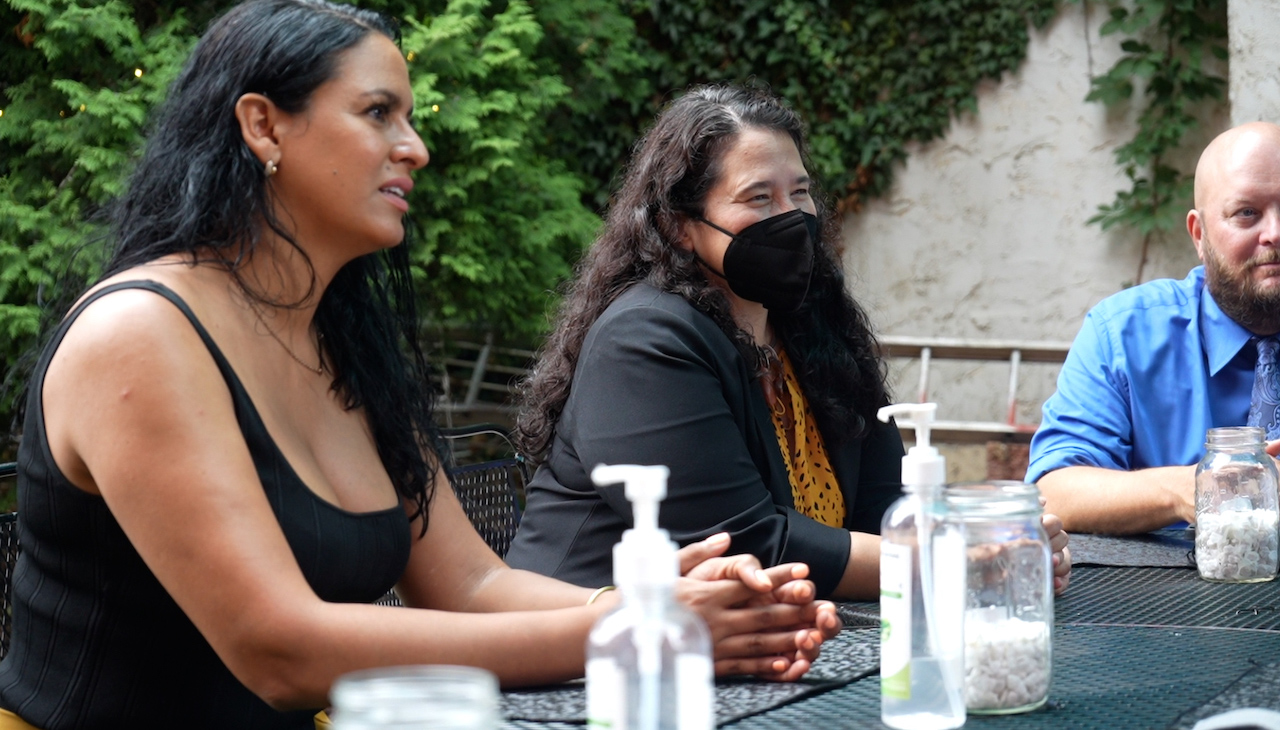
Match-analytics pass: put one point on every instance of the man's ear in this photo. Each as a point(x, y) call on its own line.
point(1195, 228)
point(260, 121)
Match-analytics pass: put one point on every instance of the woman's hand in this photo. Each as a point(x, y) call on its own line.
point(1058, 539)
point(763, 622)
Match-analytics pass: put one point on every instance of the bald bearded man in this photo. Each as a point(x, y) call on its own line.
point(1155, 366)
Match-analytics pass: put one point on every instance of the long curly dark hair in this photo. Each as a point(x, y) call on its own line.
point(199, 191)
point(674, 166)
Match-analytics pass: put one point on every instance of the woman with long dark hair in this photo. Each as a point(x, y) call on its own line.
point(709, 329)
point(227, 454)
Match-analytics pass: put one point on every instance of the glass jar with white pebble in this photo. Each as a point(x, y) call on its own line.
point(1237, 518)
point(1008, 624)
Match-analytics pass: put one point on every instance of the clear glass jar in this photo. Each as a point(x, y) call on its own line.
point(1236, 508)
point(1008, 622)
point(403, 698)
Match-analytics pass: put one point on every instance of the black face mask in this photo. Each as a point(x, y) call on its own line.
point(771, 262)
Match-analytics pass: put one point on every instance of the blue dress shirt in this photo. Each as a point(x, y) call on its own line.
point(1153, 368)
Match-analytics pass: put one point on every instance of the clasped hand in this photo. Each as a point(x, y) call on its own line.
point(763, 621)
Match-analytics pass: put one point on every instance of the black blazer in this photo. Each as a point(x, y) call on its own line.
point(659, 383)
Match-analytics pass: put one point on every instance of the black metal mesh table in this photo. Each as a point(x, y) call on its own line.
point(1133, 648)
point(1145, 597)
point(1105, 677)
point(1166, 597)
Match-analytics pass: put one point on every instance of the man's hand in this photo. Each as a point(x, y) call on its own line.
point(1058, 539)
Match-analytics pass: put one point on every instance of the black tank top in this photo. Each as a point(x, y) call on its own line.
point(98, 643)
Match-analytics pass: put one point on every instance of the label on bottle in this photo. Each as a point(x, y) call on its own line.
point(695, 680)
point(895, 620)
point(606, 695)
point(948, 590)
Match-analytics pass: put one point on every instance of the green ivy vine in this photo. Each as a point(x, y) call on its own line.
point(1165, 47)
point(530, 110)
point(869, 76)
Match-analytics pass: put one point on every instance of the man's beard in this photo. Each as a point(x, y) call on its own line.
point(1253, 306)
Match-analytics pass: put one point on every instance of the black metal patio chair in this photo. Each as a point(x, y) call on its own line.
point(8, 557)
point(491, 490)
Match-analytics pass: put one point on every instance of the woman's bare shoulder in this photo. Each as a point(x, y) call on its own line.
point(135, 315)
point(130, 361)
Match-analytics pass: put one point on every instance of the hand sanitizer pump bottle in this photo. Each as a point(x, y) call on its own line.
point(922, 576)
point(648, 661)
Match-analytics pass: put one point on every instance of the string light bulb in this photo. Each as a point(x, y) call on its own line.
point(435, 107)
point(62, 112)
point(137, 72)
point(82, 107)
point(411, 55)
point(1, 112)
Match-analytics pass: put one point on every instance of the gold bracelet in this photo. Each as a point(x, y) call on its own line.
point(599, 592)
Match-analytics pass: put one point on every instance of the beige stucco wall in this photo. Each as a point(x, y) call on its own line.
point(985, 232)
point(1255, 60)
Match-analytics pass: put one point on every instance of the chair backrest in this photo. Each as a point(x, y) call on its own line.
point(491, 491)
point(8, 557)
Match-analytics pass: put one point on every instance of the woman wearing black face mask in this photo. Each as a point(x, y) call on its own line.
point(709, 329)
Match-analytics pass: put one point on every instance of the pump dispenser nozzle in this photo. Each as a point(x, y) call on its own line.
point(923, 465)
point(645, 555)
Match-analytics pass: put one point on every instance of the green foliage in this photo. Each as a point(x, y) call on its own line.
point(528, 109)
point(594, 47)
point(1164, 52)
point(501, 222)
point(869, 76)
point(78, 81)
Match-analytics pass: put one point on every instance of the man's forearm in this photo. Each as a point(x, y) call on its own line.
point(1092, 499)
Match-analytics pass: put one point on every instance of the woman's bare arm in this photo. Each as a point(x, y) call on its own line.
point(861, 581)
point(762, 621)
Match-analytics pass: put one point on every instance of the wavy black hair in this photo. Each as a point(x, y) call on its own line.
point(200, 192)
point(671, 171)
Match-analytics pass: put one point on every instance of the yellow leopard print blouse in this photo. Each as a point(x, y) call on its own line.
point(813, 484)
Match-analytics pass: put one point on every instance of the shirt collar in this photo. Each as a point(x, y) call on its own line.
point(1222, 336)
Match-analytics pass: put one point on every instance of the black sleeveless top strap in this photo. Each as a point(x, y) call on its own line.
point(97, 642)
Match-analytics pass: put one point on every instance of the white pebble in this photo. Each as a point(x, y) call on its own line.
point(1006, 663)
point(1237, 545)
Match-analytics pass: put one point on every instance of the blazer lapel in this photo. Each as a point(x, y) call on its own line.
point(774, 468)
